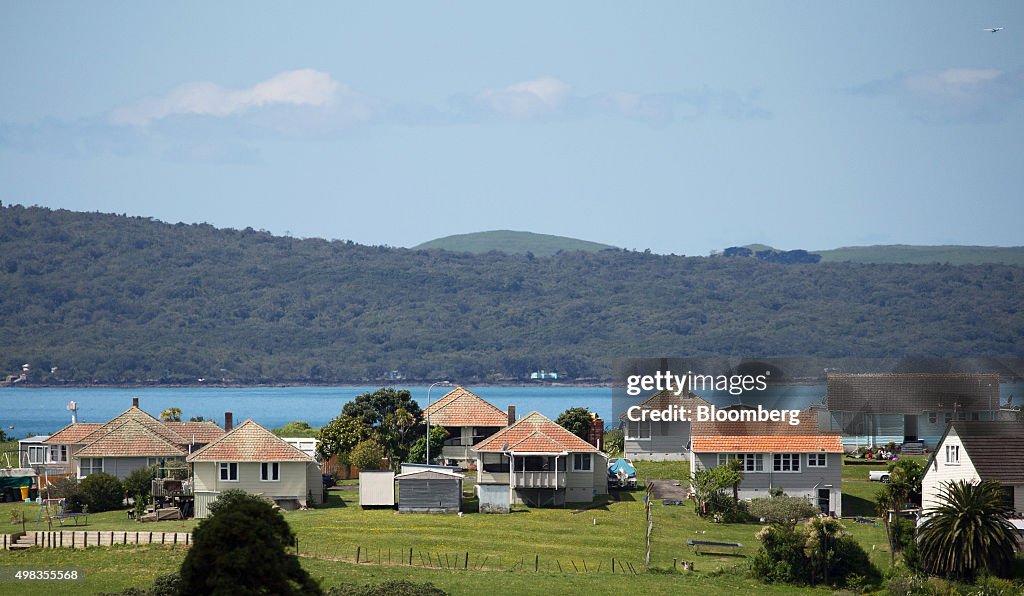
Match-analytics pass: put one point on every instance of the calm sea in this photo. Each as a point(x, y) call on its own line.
point(26, 411)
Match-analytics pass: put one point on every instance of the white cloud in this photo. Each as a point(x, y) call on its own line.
point(306, 87)
point(952, 82)
point(528, 98)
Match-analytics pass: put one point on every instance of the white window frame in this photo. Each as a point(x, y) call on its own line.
point(752, 462)
point(786, 463)
point(82, 473)
point(639, 426)
point(58, 454)
point(952, 455)
point(579, 458)
point(36, 449)
point(274, 469)
point(813, 460)
point(947, 417)
point(933, 417)
point(225, 469)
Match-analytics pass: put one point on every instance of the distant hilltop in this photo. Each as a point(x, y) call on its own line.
point(891, 253)
point(513, 243)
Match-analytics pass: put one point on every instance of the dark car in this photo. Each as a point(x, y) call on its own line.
point(328, 480)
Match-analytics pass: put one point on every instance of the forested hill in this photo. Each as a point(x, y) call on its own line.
point(115, 299)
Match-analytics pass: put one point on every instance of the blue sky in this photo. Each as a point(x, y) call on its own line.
point(677, 126)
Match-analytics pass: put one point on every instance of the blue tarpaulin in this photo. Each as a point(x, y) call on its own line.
point(623, 465)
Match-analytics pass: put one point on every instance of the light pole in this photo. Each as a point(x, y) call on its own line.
point(428, 415)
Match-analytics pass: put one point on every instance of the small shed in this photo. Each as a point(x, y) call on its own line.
point(494, 498)
point(377, 488)
point(429, 491)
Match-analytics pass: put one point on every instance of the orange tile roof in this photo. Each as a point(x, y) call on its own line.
point(130, 439)
point(534, 434)
point(142, 417)
point(248, 442)
point(73, 434)
point(204, 432)
point(461, 407)
point(768, 444)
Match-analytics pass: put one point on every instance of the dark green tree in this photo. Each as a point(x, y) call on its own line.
point(368, 455)
point(418, 452)
point(968, 532)
point(102, 492)
point(577, 421)
point(341, 435)
point(394, 417)
point(242, 549)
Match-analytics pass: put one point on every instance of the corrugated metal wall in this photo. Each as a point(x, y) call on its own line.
point(432, 494)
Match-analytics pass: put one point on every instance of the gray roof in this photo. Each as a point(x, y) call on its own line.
point(428, 475)
point(914, 393)
point(996, 448)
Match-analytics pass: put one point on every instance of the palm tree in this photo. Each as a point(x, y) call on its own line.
point(968, 532)
point(823, 534)
point(171, 415)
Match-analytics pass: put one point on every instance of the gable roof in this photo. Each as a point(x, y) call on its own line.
point(832, 443)
point(203, 432)
point(73, 434)
point(430, 475)
point(665, 398)
point(461, 407)
point(142, 417)
point(249, 442)
point(534, 434)
point(899, 393)
point(995, 448)
point(130, 439)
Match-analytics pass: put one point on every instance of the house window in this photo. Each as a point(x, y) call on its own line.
point(229, 472)
point(495, 462)
point(786, 462)
point(752, 462)
point(59, 454)
point(581, 462)
point(948, 417)
point(270, 472)
point(933, 417)
point(90, 465)
point(36, 455)
point(975, 416)
point(961, 415)
point(952, 454)
point(817, 460)
point(641, 429)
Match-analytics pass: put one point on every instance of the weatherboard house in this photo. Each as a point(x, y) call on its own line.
point(976, 451)
point(132, 440)
point(255, 460)
point(660, 440)
point(535, 461)
point(468, 420)
point(872, 410)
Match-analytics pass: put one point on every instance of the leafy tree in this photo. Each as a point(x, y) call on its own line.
point(577, 421)
point(820, 551)
point(783, 510)
point(393, 415)
point(242, 548)
point(341, 435)
point(139, 484)
point(368, 455)
point(418, 452)
point(968, 532)
point(614, 442)
point(709, 488)
point(102, 492)
point(298, 428)
point(171, 415)
point(904, 485)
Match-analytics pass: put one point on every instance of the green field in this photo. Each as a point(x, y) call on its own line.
point(571, 552)
point(512, 243)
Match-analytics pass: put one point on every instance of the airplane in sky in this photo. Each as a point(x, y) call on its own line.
point(994, 29)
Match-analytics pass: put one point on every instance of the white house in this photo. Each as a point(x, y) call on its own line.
point(255, 460)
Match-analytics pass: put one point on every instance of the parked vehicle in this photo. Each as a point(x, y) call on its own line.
point(878, 475)
point(621, 473)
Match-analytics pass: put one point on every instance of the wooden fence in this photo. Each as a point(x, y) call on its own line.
point(83, 539)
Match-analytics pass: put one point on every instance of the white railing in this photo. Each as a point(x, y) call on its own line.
point(539, 480)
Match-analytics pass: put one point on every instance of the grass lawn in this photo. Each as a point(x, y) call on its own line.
point(560, 542)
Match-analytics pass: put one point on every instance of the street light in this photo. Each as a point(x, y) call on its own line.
point(428, 415)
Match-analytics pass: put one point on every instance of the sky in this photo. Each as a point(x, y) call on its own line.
point(682, 127)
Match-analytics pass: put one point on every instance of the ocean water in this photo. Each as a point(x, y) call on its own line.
point(27, 411)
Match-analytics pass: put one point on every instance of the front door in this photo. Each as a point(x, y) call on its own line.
point(909, 427)
point(824, 498)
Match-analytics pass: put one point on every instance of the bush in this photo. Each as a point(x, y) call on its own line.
point(242, 549)
point(69, 489)
point(904, 582)
point(781, 556)
point(102, 492)
point(784, 510)
point(819, 550)
point(368, 455)
point(139, 484)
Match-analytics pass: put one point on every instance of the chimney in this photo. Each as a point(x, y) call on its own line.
point(135, 402)
point(511, 415)
point(596, 436)
point(228, 421)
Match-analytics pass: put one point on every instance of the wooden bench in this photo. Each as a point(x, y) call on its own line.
point(697, 545)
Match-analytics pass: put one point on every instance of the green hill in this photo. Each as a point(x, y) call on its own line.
point(97, 298)
point(512, 243)
point(923, 255)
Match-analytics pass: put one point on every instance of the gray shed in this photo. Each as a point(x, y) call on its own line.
point(376, 488)
point(432, 491)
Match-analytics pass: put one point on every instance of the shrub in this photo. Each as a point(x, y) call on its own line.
point(69, 489)
point(102, 492)
point(782, 510)
point(819, 552)
point(368, 455)
point(139, 484)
